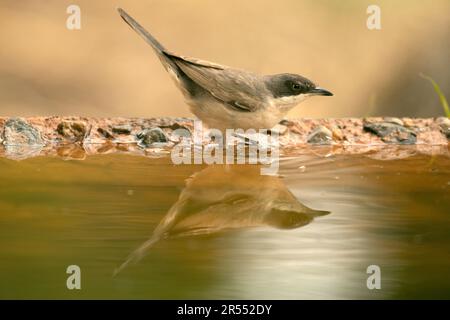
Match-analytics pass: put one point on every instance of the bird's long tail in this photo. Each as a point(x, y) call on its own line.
point(137, 254)
point(184, 83)
point(141, 31)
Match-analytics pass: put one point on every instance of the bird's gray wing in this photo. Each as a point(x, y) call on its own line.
point(240, 90)
point(195, 61)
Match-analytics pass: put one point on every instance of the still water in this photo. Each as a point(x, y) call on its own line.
point(145, 228)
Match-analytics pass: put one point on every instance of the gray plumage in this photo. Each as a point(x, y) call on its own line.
point(224, 97)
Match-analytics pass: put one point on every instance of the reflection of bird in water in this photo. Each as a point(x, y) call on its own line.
point(224, 197)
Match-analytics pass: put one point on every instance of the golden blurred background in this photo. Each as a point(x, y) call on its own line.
point(105, 69)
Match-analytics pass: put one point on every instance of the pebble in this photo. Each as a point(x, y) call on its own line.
point(394, 121)
point(19, 132)
point(122, 129)
point(391, 133)
point(408, 122)
point(72, 130)
point(337, 133)
point(444, 124)
point(177, 126)
point(320, 135)
point(105, 133)
point(149, 137)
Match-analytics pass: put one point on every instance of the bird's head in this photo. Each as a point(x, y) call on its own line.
point(290, 89)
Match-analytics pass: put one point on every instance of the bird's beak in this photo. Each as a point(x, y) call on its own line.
point(320, 92)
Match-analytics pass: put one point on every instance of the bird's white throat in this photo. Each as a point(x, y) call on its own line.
point(289, 101)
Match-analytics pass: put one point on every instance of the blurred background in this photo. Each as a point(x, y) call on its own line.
point(106, 70)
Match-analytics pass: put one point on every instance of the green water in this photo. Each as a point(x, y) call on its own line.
point(226, 232)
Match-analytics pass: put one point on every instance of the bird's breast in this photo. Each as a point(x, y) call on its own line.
point(217, 115)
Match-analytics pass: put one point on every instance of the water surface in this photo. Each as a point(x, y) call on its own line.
point(225, 231)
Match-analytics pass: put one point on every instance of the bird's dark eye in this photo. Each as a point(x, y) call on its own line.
point(295, 86)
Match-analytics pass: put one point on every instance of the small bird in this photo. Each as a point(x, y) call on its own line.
point(228, 98)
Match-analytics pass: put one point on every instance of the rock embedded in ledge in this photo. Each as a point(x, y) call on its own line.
point(320, 135)
point(408, 123)
point(72, 130)
point(394, 121)
point(444, 124)
point(176, 126)
point(122, 129)
point(105, 133)
point(348, 135)
point(21, 139)
point(337, 133)
point(151, 137)
point(18, 132)
point(390, 132)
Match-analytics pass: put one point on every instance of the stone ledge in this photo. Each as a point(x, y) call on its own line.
point(76, 137)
